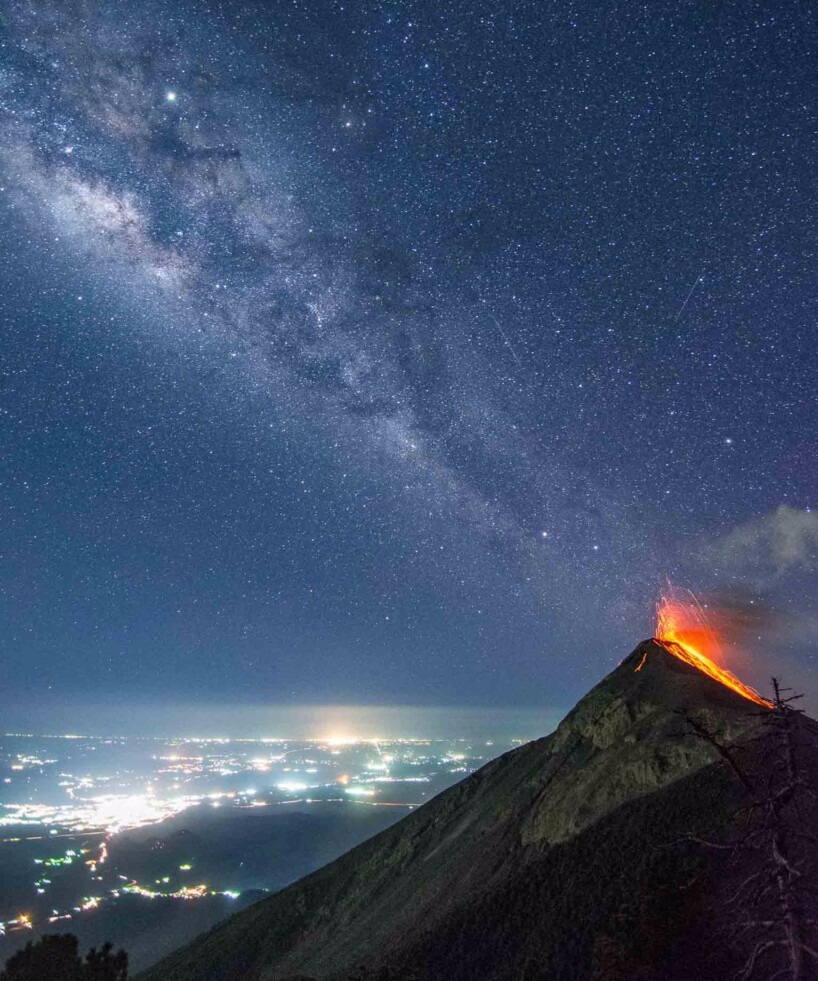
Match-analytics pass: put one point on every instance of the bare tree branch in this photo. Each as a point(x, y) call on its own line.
point(779, 844)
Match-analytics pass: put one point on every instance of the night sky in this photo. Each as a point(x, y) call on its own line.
point(393, 352)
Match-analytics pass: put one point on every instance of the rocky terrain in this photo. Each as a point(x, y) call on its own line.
point(585, 854)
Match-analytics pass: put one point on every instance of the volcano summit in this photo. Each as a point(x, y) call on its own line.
point(588, 854)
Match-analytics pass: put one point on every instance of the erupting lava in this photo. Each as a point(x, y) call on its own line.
point(683, 630)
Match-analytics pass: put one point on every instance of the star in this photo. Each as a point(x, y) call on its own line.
point(368, 365)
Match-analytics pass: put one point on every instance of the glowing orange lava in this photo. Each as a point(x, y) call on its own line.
point(683, 630)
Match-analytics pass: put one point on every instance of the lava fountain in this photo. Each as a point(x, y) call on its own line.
point(683, 630)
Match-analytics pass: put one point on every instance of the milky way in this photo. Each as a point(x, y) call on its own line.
point(395, 351)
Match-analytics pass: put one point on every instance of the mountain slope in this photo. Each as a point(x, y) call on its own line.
point(498, 874)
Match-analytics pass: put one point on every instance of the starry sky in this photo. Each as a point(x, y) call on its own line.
point(394, 352)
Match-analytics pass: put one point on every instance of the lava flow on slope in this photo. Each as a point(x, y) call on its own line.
point(683, 630)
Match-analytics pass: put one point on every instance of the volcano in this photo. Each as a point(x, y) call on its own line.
point(609, 850)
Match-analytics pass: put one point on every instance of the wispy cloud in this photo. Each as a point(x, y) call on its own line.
point(783, 540)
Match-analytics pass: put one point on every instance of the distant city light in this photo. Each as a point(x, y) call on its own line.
point(70, 794)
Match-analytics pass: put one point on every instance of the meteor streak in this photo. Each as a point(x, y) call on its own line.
point(696, 282)
point(505, 338)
